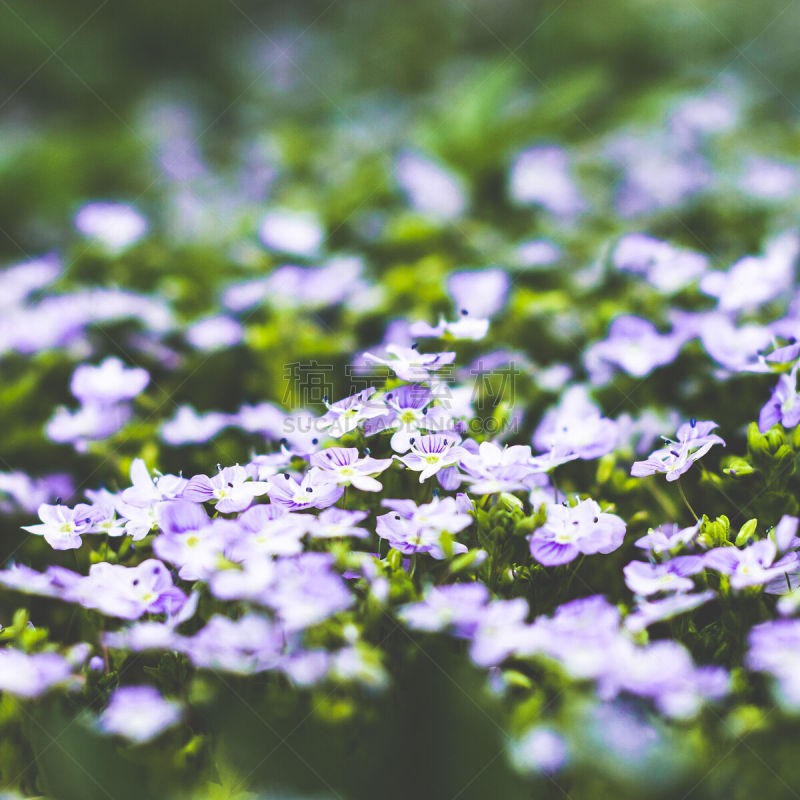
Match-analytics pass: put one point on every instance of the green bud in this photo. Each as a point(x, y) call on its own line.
point(467, 561)
point(738, 467)
point(746, 532)
point(395, 560)
point(605, 468)
point(716, 533)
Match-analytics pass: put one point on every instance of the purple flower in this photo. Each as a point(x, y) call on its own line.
point(694, 440)
point(572, 530)
point(541, 176)
point(775, 648)
point(245, 646)
point(635, 346)
point(539, 750)
point(467, 327)
point(114, 225)
point(345, 468)
point(139, 713)
point(189, 427)
point(314, 490)
point(645, 579)
point(293, 232)
point(458, 606)
point(577, 426)
point(755, 280)
point(419, 529)
point(145, 491)
point(231, 489)
point(127, 592)
point(491, 469)
point(409, 364)
point(89, 423)
point(197, 552)
point(501, 632)
point(108, 383)
point(405, 413)
point(666, 267)
point(650, 612)
point(31, 675)
point(214, 333)
point(753, 566)
point(333, 523)
point(430, 188)
point(668, 537)
point(784, 404)
point(62, 526)
point(481, 293)
point(432, 453)
point(346, 415)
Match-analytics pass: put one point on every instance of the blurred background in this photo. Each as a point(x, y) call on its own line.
point(395, 132)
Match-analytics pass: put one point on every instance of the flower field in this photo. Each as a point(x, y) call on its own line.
point(399, 401)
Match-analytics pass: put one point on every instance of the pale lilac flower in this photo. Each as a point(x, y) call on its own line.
point(89, 423)
point(431, 189)
point(62, 526)
point(145, 491)
point(409, 364)
point(458, 606)
point(345, 468)
point(666, 267)
point(538, 253)
point(775, 648)
point(215, 333)
point(501, 631)
point(491, 468)
point(768, 179)
point(481, 293)
point(19, 280)
point(635, 346)
point(668, 537)
point(410, 528)
point(189, 427)
point(694, 440)
point(127, 592)
point(753, 566)
point(572, 530)
point(231, 489)
point(307, 591)
point(755, 280)
point(114, 225)
point(784, 404)
point(197, 552)
point(108, 383)
point(294, 232)
point(405, 413)
point(138, 713)
point(269, 530)
point(264, 418)
point(576, 425)
point(347, 414)
point(645, 579)
point(539, 750)
point(29, 675)
point(27, 494)
point(467, 327)
point(432, 453)
point(245, 646)
point(541, 176)
point(735, 348)
point(333, 523)
point(314, 490)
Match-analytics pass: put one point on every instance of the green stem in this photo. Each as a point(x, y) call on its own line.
point(686, 500)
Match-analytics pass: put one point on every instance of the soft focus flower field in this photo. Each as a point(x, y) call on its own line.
point(399, 402)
